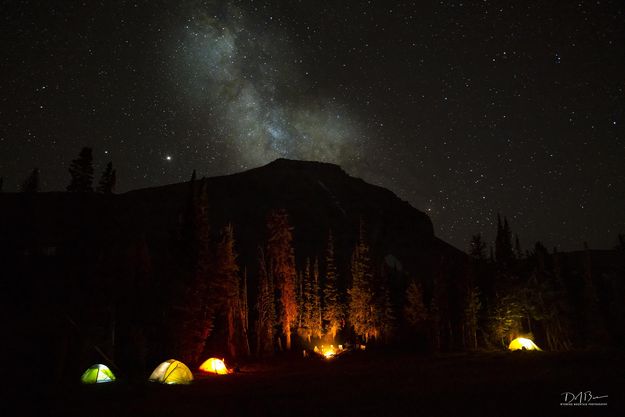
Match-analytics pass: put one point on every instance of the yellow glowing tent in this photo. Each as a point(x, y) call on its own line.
point(97, 374)
point(214, 366)
point(521, 343)
point(172, 372)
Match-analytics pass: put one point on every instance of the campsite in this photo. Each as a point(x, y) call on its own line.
point(366, 384)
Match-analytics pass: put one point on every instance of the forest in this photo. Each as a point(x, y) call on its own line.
point(133, 297)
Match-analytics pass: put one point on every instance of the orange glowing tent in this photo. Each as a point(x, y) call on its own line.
point(214, 366)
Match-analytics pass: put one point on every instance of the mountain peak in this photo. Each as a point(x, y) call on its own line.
point(300, 165)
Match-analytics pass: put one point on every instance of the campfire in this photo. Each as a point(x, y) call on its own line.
point(329, 351)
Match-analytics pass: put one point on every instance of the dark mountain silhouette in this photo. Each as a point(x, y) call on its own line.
point(318, 197)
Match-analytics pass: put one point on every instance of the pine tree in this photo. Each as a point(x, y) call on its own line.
point(317, 321)
point(194, 307)
point(471, 314)
point(306, 327)
point(243, 310)
point(31, 184)
point(415, 312)
point(227, 284)
point(282, 267)
point(333, 311)
point(477, 247)
point(517, 247)
point(108, 180)
point(385, 317)
point(265, 306)
point(362, 311)
point(503, 244)
point(81, 171)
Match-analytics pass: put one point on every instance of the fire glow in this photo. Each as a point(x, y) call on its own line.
point(328, 351)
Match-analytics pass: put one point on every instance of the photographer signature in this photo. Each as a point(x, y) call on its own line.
point(582, 397)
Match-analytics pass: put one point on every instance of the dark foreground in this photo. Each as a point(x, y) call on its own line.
point(365, 384)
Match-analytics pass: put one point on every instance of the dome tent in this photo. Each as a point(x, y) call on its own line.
point(172, 372)
point(214, 366)
point(97, 374)
point(522, 343)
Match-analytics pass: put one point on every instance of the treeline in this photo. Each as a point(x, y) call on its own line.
point(561, 300)
point(81, 172)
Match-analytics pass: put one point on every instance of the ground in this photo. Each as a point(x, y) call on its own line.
point(369, 384)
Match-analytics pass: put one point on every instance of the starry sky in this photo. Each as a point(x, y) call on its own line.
point(463, 108)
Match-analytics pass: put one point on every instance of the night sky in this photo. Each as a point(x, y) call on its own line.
point(464, 109)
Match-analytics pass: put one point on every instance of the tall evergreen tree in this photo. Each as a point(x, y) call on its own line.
point(282, 267)
point(244, 314)
point(194, 309)
point(362, 311)
point(306, 328)
point(81, 171)
point(517, 247)
point(265, 306)
point(503, 243)
point(333, 310)
point(477, 247)
point(31, 184)
point(108, 180)
point(227, 285)
point(415, 311)
point(471, 314)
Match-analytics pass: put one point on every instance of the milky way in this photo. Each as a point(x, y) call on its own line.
point(248, 83)
point(463, 109)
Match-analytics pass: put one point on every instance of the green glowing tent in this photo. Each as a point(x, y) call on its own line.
point(97, 374)
point(172, 372)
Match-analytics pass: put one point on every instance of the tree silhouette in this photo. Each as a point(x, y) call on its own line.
point(477, 247)
point(31, 183)
point(81, 171)
point(415, 311)
point(194, 299)
point(265, 306)
point(362, 307)
point(108, 180)
point(282, 267)
point(227, 284)
point(503, 243)
point(333, 311)
point(471, 315)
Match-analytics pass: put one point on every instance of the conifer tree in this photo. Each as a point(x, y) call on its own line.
point(227, 285)
point(282, 267)
point(81, 171)
point(477, 247)
point(333, 311)
point(503, 245)
point(362, 312)
point(265, 306)
point(193, 306)
point(307, 325)
point(108, 180)
point(31, 184)
point(243, 311)
point(317, 322)
point(384, 310)
point(517, 247)
point(471, 314)
point(415, 312)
